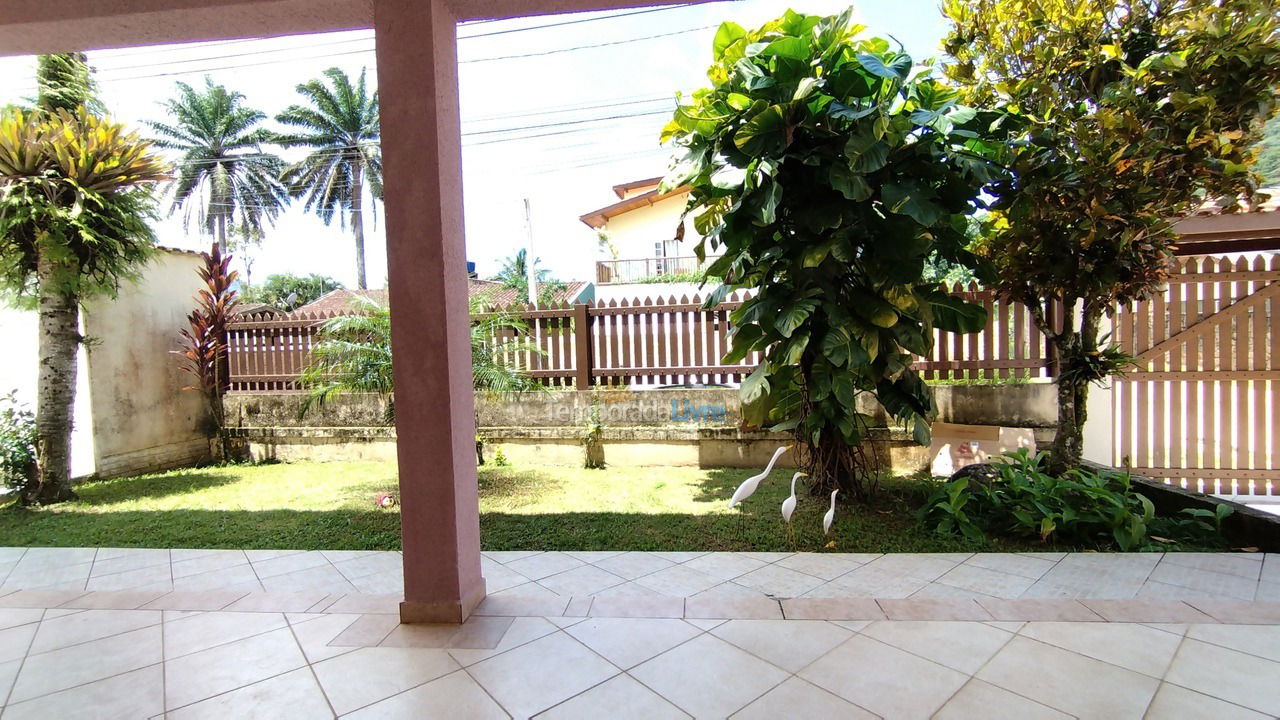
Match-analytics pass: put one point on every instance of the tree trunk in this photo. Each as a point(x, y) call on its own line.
point(357, 222)
point(220, 239)
point(56, 389)
point(1073, 390)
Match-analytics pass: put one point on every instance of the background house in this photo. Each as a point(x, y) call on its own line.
point(646, 244)
point(494, 293)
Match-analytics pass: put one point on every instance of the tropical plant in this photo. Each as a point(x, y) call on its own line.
point(225, 178)
point(1125, 116)
point(74, 207)
point(353, 354)
point(828, 167)
point(17, 445)
point(515, 275)
point(204, 340)
point(290, 292)
point(339, 125)
point(1081, 507)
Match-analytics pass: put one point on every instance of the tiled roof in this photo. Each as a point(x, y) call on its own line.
point(1271, 204)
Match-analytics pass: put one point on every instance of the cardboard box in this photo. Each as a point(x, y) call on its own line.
point(956, 446)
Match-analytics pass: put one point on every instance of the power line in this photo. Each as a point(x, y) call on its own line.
point(585, 47)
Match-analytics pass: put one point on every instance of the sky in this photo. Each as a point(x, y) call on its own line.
point(545, 116)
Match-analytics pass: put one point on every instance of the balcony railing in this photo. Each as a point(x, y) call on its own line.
point(610, 272)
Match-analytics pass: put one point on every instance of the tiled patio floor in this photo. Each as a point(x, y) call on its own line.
point(116, 633)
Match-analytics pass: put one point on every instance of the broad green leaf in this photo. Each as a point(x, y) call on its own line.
point(765, 133)
point(755, 385)
point(908, 199)
point(738, 101)
point(792, 316)
point(897, 68)
point(726, 35)
point(955, 315)
point(849, 184)
point(795, 48)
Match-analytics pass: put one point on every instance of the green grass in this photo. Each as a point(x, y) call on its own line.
point(331, 506)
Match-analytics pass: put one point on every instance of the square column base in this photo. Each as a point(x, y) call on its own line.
point(412, 611)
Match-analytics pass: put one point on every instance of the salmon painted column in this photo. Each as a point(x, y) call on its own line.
point(435, 420)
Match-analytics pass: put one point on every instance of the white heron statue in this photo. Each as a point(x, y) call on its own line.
point(789, 508)
point(748, 486)
point(830, 517)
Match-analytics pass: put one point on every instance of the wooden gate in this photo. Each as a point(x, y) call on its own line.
point(1201, 408)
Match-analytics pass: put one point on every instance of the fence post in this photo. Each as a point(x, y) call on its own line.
point(582, 345)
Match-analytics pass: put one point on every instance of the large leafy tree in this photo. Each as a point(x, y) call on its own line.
point(514, 274)
point(1128, 115)
point(829, 167)
point(74, 206)
point(339, 125)
point(225, 179)
point(290, 292)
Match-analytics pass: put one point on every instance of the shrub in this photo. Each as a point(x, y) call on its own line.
point(17, 444)
point(1080, 507)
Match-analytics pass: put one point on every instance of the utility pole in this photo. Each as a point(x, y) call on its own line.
point(530, 259)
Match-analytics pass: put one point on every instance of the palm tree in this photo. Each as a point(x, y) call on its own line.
point(353, 354)
point(224, 176)
point(515, 275)
point(74, 211)
point(340, 126)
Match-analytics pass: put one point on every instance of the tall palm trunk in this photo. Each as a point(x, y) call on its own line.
point(56, 389)
point(220, 239)
point(357, 221)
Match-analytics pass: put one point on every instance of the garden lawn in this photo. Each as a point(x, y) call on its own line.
point(331, 506)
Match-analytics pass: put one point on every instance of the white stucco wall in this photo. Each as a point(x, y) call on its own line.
point(634, 233)
point(143, 420)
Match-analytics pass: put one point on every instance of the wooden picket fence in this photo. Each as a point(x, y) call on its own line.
point(648, 341)
point(1201, 410)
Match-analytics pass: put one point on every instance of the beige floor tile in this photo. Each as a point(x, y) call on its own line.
point(938, 591)
point(827, 566)
point(38, 574)
point(380, 584)
point(831, 609)
point(1235, 611)
point(779, 581)
point(325, 578)
point(724, 565)
point(13, 617)
point(135, 694)
point(933, 609)
point(201, 632)
point(286, 564)
point(260, 555)
point(278, 602)
point(455, 695)
point(746, 608)
point(1178, 703)
point(361, 603)
point(686, 556)
point(121, 600)
point(1069, 682)
point(542, 565)
point(315, 635)
point(789, 644)
point(1260, 640)
point(130, 562)
point(15, 642)
point(639, 606)
point(584, 580)
point(506, 556)
point(39, 598)
point(871, 582)
point(1028, 566)
point(592, 556)
point(475, 634)
point(366, 631)
point(1214, 583)
point(85, 663)
point(529, 589)
point(1146, 611)
point(368, 675)
point(921, 566)
point(523, 630)
point(730, 589)
point(197, 562)
point(627, 642)
point(89, 625)
point(1238, 678)
point(543, 673)
point(1245, 565)
point(708, 677)
point(201, 675)
point(795, 698)
point(497, 577)
point(8, 673)
point(678, 580)
point(978, 699)
point(883, 679)
point(963, 646)
point(579, 606)
point(1040, 609)
point(618, 698)
point(1129, 645)
point(291, 695)
point(986, 581)
point(632, 565)
point(203, 601)
point(221, 579)
point(523, 605)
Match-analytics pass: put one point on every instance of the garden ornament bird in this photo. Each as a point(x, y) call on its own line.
point(830, 517)
point(748, 486)
point(789, 505)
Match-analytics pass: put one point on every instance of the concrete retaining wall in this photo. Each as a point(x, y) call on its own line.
point(700, 427)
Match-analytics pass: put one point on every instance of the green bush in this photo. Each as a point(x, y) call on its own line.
point(17, 443)
point(1081, 507)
